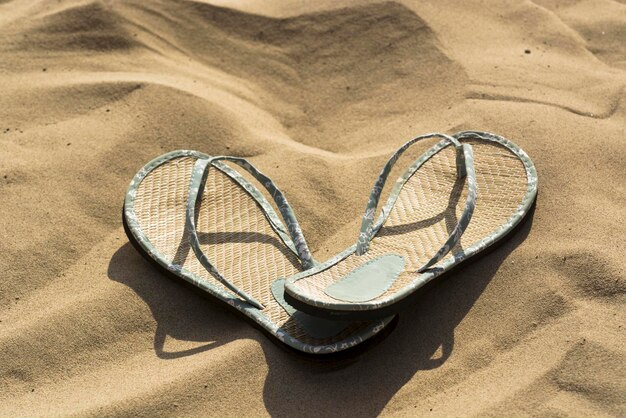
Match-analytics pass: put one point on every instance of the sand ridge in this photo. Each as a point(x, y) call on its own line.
point(318, 96)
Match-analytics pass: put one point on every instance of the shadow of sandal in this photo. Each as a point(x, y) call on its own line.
point(423, 340)
point(179, 312)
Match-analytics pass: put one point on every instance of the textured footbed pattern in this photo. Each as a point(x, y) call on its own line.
point(427, 209)
point(234, 233)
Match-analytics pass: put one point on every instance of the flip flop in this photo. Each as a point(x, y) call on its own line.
point(202, 222)
point(460, 197)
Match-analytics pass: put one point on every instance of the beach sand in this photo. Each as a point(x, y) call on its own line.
point(318, 95)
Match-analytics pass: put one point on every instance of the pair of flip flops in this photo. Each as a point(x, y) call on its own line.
point(203, 220)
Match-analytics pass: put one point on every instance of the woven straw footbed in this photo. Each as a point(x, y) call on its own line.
point(427, 209)
point(234, 234)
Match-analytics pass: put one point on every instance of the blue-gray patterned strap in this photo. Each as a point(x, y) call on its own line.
point(468, 211)
point(366, 233)
point(464, 166)
point(196, 186)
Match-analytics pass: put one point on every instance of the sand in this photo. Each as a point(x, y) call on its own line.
point(317, 94)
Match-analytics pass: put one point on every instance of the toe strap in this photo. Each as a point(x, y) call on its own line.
point(196, 187)
point(465, 168)
point(468, 211)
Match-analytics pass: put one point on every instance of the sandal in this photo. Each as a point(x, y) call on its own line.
point(202, 222)
point(463, 195)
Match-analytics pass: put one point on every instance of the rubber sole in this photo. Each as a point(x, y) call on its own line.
point(348, 354)
point(413, 297)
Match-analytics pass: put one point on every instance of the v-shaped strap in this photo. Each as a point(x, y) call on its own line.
point(196, 187)
point(465, 168)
